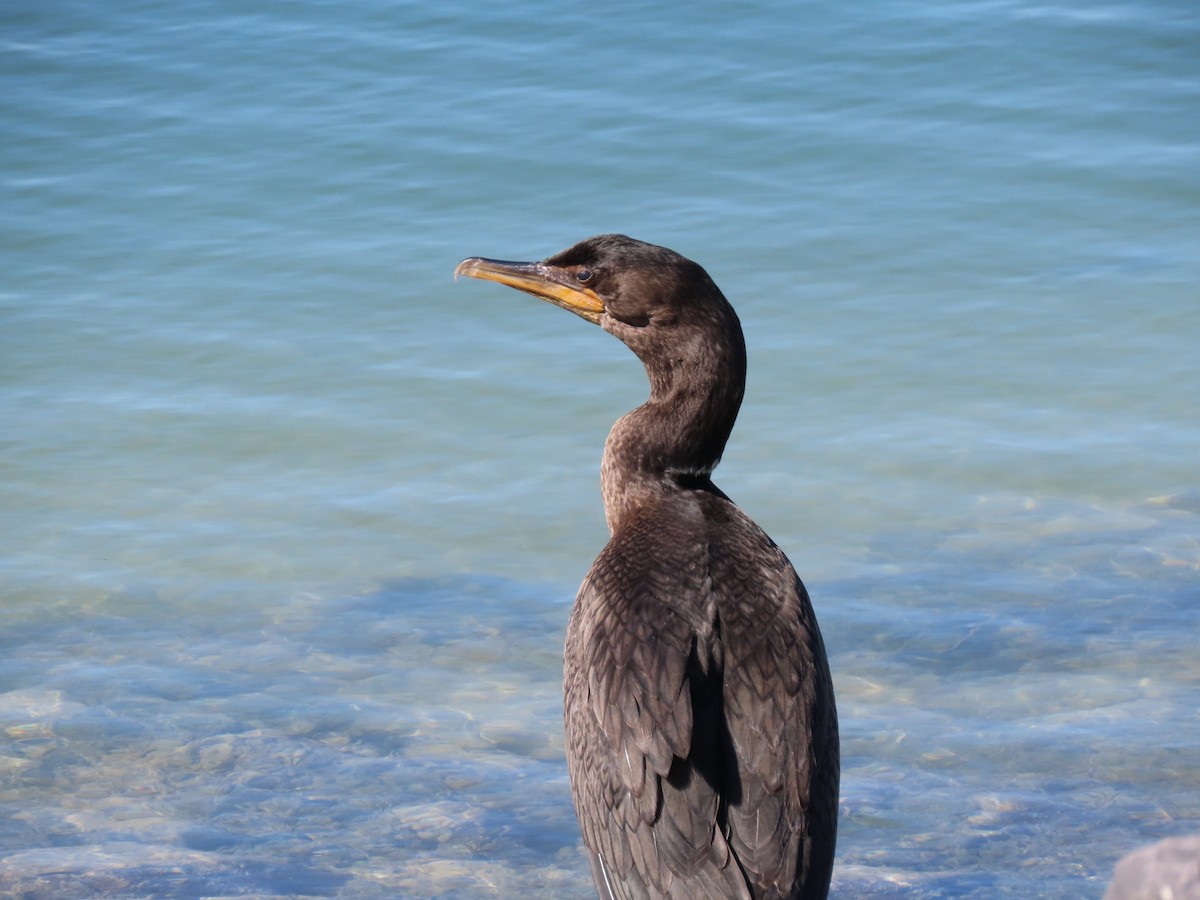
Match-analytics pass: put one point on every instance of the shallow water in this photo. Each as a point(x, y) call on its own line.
point(291, 521)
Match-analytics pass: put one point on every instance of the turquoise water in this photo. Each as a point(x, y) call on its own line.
point(290, 521)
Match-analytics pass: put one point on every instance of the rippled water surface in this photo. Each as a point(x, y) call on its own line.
point(291, 521)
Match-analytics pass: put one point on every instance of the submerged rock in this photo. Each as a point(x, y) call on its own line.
point(1168, 870)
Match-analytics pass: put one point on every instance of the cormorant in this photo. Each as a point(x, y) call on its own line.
point(701, 732)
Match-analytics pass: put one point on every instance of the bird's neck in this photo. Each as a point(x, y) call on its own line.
point(675, 439)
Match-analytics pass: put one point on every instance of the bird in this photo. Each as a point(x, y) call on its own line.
point(699, 718)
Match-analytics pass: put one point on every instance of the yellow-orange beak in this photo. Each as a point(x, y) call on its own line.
point(558, 286)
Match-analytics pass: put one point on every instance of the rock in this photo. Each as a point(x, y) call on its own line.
point(1168, 870)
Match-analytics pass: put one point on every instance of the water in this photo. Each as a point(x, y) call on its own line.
point(290, 520)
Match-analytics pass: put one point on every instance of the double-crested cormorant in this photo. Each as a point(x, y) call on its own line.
point(701, 731)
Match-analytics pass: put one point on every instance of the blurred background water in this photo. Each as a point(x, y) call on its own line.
point(291, 522)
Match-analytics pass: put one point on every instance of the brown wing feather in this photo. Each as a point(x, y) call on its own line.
point(780, 715)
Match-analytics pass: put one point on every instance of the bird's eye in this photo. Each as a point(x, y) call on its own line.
point(583, 276)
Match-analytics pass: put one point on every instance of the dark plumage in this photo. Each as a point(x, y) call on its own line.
point(700, 723)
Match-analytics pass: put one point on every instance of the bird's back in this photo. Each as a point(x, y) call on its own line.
point(701, 730)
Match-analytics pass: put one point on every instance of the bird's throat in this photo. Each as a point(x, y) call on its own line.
point(674, 439)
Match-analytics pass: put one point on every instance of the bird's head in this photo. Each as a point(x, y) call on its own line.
point(642, 293)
